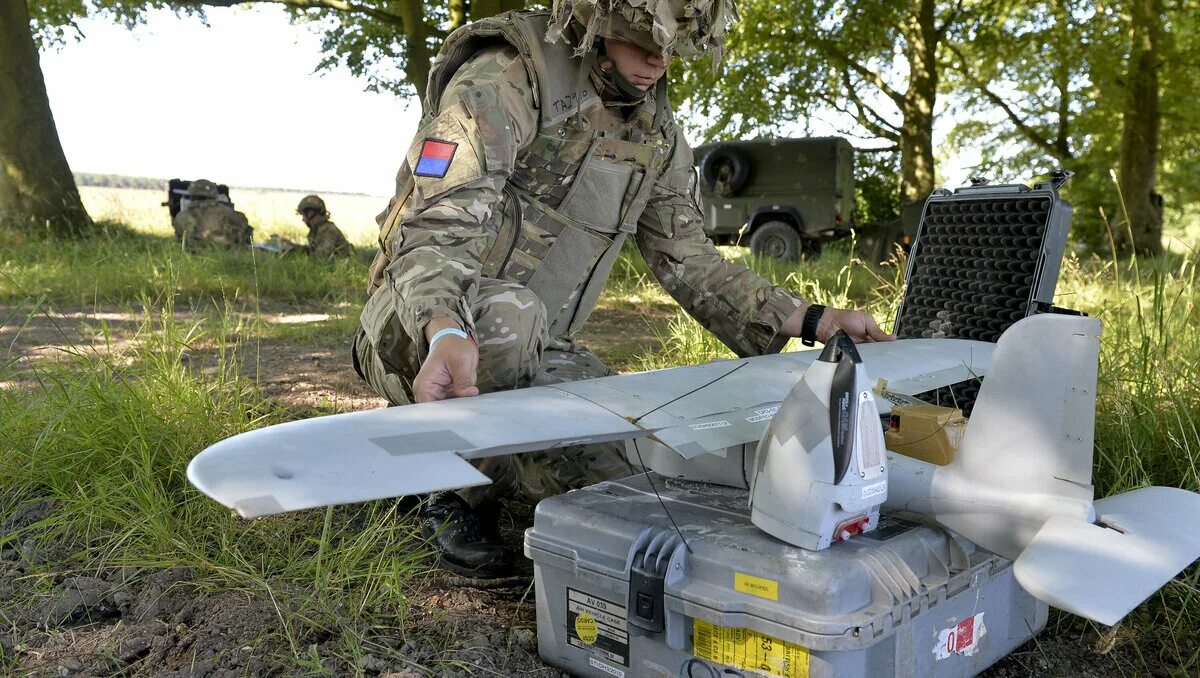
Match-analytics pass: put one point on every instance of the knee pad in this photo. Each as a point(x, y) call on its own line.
point(510, 329)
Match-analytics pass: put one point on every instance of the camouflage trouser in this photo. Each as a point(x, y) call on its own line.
point(514, 352)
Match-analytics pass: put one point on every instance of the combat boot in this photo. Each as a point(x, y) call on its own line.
point(468, 538)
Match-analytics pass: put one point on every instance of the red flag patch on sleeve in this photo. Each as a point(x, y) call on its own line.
point(435, 158)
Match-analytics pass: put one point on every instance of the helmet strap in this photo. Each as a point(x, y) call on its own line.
point(618, 85)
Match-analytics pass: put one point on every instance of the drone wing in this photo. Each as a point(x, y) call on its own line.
point(422, 448)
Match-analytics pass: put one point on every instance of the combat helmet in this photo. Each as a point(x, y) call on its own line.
point(202, 189)
point(312, 202)
point(688, 28)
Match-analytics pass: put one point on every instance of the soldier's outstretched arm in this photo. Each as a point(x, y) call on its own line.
point(460, 159)
point(745, 311)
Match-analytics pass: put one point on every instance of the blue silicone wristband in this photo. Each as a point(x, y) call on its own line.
point(446, 331)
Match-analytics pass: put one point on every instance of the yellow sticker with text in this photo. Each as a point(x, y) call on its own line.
point(749, 650)
point(756, 586)
point(585, 628)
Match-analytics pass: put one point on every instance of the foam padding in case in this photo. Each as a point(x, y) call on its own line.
point(975, 269)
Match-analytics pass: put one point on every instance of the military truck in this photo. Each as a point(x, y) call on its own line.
point(784, 198)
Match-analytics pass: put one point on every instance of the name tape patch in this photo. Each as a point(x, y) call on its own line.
point(435, 158)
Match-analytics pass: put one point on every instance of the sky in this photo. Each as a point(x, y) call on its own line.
point(237, 102)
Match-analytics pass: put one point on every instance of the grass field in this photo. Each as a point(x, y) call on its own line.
point(106, 434)
point(269, 212)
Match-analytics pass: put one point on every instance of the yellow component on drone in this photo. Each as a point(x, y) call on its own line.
point(927, 432)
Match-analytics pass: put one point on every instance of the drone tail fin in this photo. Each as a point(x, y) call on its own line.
point(1021, 483)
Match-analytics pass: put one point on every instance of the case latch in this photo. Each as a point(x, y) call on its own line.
point(649, 557)
point(646, 607)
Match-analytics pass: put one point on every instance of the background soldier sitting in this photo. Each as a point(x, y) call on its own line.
point(325, 239)
point(208, 221)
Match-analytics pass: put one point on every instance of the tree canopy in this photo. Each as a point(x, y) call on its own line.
point(1032, 85)
point(1103, 87)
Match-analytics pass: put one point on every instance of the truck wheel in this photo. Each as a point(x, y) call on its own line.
point(778, 240)
point(725, 171)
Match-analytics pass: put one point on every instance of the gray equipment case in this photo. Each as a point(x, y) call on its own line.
point(619, 593)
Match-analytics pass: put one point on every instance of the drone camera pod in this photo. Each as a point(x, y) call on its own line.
point(821, 475)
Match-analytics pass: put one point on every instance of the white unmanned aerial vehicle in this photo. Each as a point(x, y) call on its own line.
point(1018, 485)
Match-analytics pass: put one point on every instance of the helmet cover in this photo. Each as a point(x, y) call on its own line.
point(688, 28)
point(311, 202)
point(202, 189)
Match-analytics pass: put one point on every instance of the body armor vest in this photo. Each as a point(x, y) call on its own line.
point(577, 190)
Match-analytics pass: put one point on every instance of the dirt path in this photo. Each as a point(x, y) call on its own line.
point(55, 621)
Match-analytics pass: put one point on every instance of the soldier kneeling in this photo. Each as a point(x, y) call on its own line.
point(325, 239)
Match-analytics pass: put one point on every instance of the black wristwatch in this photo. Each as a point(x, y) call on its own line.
point(808, 331)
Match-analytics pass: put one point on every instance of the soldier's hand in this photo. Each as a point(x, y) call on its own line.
point(859, 326)
point(449, 371)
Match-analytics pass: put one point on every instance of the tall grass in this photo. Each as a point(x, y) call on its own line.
point(1146, 416)
point(106, 435)
point(122, 265)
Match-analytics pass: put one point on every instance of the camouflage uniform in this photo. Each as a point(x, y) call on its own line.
point(325, 239)
point(208, 221)
point(515, 237)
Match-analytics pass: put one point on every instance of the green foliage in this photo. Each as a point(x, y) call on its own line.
point(878, 192)
point(387, 43)
point(54, 21)
point(1179, 175)
point(377, 51)
point(390, 44)
point(807, 58)
point(763, 58)
point(1042, 85)
point(837, 279)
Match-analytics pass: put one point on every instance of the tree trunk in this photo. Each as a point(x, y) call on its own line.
point(37, 191)
point(416, 43)
point(1139, 134)
point(458, 14)
point(417, 32)
point(916, 132)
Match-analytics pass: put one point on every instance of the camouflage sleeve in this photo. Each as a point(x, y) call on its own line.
point(245, 232)
point(461, 159)
point(742, 309)
point(181, 223)
point(319, 247)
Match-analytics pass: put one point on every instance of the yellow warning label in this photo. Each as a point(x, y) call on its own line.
point(756, 586)
point(750, 650)
point(585, 628)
